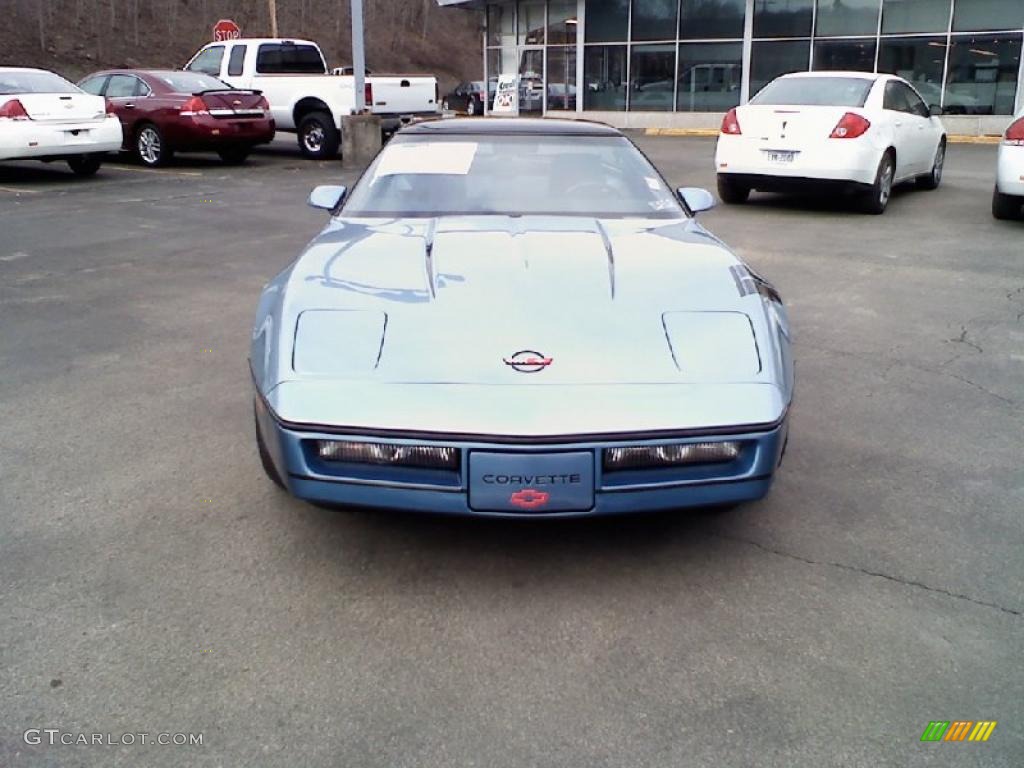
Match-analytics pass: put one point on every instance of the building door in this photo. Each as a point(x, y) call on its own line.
point(531, 81)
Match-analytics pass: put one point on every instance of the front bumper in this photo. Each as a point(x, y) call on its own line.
point(850, 161)
point(36, 140)
point(746, 478)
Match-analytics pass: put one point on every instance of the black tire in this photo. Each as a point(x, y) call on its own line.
point(234, 155)
point(265, 460)
point(85, 165)
point(732, 192)
point(319, 139)
point(150, 146)
point(1005, 207)
point(877, 200)
point(933, 178)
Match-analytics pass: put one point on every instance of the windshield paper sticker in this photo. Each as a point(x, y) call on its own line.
point(448, 158)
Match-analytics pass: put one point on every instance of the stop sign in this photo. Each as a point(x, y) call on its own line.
point(226, 29)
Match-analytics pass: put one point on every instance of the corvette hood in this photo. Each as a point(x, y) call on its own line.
point(453, 300)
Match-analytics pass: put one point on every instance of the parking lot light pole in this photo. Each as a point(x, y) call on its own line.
point(358, 56)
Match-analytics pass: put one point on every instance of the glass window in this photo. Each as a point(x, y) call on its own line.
point(982, 77)
point(604, 68)
point(847, 17)
point(531, 22)
point(915, 16)
point(192, 82)
point(710, 75)
point(501, 25)
point(654, 19)
point(607, 21)
point(283, 59)
point(34, 81)
point(562, 78)
point(93, 85)
point(816, 91)
point(773, 58)
point(987, 14)
point(850, 55)
point(124, 87)
point(592, 176)
point(562, 22)
point(711, 18)
point(207, 61)
point(652, 78)
point(918, 60)
point(237, 61)
point(783, 18)
point(895, 97)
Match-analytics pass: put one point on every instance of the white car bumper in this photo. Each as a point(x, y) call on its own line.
point(842, 160)
point(1010, 170)
point(28, 139)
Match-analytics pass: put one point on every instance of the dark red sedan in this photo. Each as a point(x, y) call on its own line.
point(164, 111)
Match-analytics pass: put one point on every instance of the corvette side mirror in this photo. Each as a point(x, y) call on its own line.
point(696, 199)
point(327, 197)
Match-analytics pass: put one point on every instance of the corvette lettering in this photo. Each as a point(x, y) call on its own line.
point(571, 479)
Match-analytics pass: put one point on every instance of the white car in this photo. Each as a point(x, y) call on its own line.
point(44, 117)
point(855, 130)
point(1008, 197)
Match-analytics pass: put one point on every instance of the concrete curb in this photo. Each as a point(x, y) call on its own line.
point(706, 132)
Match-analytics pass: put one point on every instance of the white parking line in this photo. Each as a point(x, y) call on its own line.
point(150, 170)
point(17, 191)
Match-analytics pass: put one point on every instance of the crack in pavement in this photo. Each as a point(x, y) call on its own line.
point(866, 572)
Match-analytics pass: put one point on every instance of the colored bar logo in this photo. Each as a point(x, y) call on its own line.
point(959, 730)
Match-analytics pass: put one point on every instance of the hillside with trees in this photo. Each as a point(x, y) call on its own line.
point(75, 37)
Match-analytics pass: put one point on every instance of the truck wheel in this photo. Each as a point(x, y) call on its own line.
point(318, 137)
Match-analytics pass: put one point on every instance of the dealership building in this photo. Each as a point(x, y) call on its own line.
point(683, 63)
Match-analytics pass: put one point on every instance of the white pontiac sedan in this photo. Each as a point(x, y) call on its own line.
point(44, 117)
point(858, 131)
point(1008, 198)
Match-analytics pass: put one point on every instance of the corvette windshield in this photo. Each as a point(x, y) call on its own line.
point(600, 176)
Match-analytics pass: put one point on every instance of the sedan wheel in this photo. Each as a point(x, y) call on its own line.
point(150, 147)
point(934, 177)
point(881, 191)
point(86, 165)
point(1005, 206)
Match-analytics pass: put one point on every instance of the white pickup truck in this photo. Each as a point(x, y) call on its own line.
point(304, 98)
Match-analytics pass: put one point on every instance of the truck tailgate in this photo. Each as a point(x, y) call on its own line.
point(403, 94)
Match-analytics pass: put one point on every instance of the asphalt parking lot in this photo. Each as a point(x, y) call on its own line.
point(153, 580)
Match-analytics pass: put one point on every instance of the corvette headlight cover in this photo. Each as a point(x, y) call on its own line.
point(680, 454)
point(425, 456)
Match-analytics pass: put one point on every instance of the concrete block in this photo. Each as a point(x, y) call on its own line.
point(360, 140)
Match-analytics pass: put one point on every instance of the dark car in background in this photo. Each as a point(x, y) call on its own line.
point(165, 111)
point(468, 98)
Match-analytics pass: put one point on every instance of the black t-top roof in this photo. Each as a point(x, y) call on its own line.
point(504, 126)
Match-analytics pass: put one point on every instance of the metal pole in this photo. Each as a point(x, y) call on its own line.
point(272, 8)
point(358, 56)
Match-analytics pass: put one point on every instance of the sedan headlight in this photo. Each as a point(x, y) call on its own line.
point(682, 454)
point(426, 456)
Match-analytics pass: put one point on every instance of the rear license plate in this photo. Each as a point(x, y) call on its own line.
point(774, 156)
point(76, 137)
point(531, 482)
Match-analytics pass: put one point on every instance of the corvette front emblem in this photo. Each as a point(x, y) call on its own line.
point(528, 498)
point(528, 361)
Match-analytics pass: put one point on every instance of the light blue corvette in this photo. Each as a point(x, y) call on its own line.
point(519, 318)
